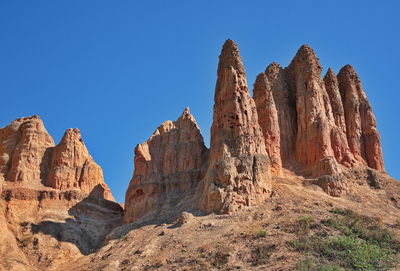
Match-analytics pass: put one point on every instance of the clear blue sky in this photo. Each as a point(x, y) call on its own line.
point(118, 69)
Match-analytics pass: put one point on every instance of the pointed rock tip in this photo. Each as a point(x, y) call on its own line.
point(330, 73)
point(272, 67)
point(230, 57)
point(306, 52)
point(229, 44)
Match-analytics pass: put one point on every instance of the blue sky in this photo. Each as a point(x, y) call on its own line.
point(118, 69)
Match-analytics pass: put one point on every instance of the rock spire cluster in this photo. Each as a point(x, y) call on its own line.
point(28, 157)
point(297, 121)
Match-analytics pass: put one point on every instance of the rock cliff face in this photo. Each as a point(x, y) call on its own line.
point(71, 165)
point(168, 167)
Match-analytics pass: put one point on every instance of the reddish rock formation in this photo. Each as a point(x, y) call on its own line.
point(338, 133)
point(324, 123)
point(71, 166)
point(362, 135)
point(268, 120)
point(23, 146)
point(168, 166)
point(285, 102)
point(238, 173)
point(314, 113)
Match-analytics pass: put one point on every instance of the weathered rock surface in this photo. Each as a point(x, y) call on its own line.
point(268, 120)
point(362, 135)
point(168, 167)
point(238, 173)
point(326, 124)
point(314, 113)
point(72, 167)
point(23, 150)
point(285, 102)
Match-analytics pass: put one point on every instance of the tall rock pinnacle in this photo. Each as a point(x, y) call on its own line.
point(168, 167)
point(339, 142)
point(268, 120)
point(362, 135)
point(238, 172)
point(314, 113)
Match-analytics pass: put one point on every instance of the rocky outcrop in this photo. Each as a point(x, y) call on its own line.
point(362, 135)
point(28, 158)
point(72, 167)
point(327, 124)
point(24, 148)
point(168, 168)
point(268, 120)
point(238, 173)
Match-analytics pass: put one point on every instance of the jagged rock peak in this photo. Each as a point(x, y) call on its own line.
point(308, 58)
point(72, 167)
point(168, 168)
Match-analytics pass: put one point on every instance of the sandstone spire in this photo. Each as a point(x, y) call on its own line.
point(285, 102)
point(338, 133)
point(362, 135)
point(238, 172)
point(314, 113)
point(23, 146)
point(268, 120)
point(168, 167)
point(71, 166)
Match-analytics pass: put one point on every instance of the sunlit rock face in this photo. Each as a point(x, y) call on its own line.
point(71, 166)
point(23, 150)
point(239, 171)
point(168, 168)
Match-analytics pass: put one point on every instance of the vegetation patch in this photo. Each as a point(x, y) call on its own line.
point(359, 243)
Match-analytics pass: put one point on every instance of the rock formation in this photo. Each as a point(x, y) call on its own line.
point(268, 119)
point(362, 135)
point(71, 166)
point(168, 167)
point(238, 172)
point(28, 157)
point(285, 103)
point(325, 123)
point(23, 146)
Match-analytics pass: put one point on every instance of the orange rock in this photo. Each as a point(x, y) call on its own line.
point(362, 135)
point(238, 173)
point(168, 168)
point(71, 166)
point(268, 120)
point(23, 146)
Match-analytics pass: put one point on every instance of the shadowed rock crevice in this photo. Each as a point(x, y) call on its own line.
point(91, 220)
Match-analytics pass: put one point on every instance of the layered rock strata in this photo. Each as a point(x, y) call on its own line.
point(168, 167)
